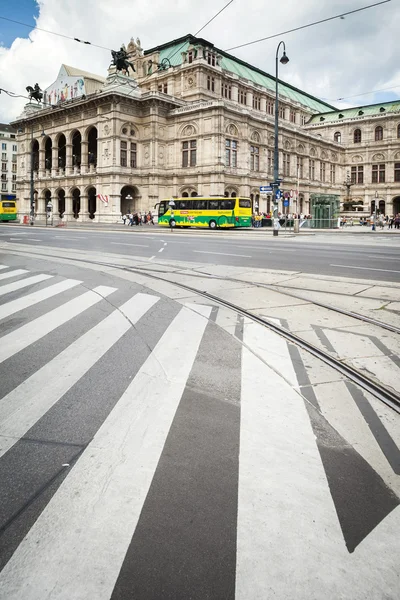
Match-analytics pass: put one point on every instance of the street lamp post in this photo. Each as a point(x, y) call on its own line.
point(284, 60)
point(32, 191)
point(375, 223)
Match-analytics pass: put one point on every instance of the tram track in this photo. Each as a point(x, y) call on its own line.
point(387, 396)
point(382, 393)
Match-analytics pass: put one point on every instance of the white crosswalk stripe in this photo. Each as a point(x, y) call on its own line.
point(27, 403)
point(10, 274)
point(32, 332)
point(10, 308)
point(3, 267)
point(18, 285)
point(284, 515)
point(105, 491)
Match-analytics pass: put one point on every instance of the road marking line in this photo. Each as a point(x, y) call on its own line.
point(28, 402)
point(383, 257)
point(151, 257)
point(34, 240)
point(4, 267)
point(161, 249)
point(221, 253)
point(364, 268)
point(129, 244)
point(104, 493)
point(10, 308)
point(17, 285)
point(278, 480)
point(13, 273)
point(33, 331)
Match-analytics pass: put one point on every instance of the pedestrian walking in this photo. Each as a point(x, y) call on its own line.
point(124, 217)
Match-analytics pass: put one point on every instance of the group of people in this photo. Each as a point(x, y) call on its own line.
point(381, 221)
point(138, 219)
point(257, 218)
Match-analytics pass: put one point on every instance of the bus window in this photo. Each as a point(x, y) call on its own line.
point(199, 205)
point(213, 204)
point(244, 203)
point(162, 208)
point(8, 204)
point(183, 205)
point(227, 204)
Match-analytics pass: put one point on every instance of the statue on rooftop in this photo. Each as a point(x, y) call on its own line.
point(35, 93)
point(120, 60)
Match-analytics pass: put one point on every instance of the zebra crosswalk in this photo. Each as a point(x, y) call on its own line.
point(147, 452)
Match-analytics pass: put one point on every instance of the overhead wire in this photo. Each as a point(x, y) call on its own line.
point(340, 16)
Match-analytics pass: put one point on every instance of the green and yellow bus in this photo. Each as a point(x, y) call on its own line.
point(8, 210)
point(213, 212)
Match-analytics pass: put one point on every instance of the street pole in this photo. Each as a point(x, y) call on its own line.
point(32, 200)
point(284, 60)
point(376, 211)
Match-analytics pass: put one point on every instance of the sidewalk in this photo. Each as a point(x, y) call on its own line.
point(112, 227)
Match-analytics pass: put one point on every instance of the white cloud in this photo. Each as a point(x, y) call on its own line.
point(336, 59)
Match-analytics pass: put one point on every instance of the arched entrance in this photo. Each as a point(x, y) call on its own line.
point(35, 155)
point(92, 147)
point(48, 154)
point(396, 205)
point(62, 151)
point(61, 202)
point(76, 149)
point(129, 199)
point(91, 202)
point(76, 202)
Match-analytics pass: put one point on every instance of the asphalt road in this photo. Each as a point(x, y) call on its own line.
point(156, 448)
point(353, 256)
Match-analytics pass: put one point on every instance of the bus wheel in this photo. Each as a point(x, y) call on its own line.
point(172, 223)
point(212, 225)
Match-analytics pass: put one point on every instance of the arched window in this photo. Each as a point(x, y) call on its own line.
point(337, 137)
point(357, 136)
point(378, 133)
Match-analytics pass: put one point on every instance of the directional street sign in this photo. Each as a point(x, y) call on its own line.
point(264, 189)
point(278, 194)
point(286, 202)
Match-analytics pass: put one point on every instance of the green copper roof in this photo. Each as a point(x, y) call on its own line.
point(357, 111)
point(173, 51)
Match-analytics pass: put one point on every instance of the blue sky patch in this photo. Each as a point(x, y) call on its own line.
point(24, 11)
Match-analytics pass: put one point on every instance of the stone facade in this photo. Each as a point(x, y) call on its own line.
point(187, 122)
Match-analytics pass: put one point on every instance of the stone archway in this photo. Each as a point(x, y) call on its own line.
point(48, 148)
point(76, 202)
point(396, 205)
point(76, 149)
point(35, 155)
point(61, 202)
point(92, 147)
point(61, 151)
point(129, 199)
point(92, 202)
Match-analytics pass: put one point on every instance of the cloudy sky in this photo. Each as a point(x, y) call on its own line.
point(341, 58)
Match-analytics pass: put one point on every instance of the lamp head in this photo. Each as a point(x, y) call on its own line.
point(284, 60)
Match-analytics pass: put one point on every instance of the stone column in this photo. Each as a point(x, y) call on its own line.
point(84, 157)
point(68, 214)
point(84, 210)
point(41, 163)
point(249, 99)
point(54, 161)
point(68, 160)
point(263, 107)
point(235, 92)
